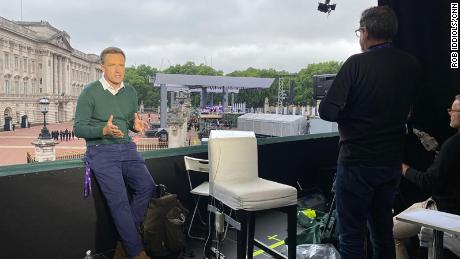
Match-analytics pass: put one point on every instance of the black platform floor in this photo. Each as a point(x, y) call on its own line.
point(271, 229)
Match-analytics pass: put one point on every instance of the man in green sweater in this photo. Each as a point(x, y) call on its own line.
point(106, 110)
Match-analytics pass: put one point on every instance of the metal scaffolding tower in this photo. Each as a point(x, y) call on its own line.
point(283, 83)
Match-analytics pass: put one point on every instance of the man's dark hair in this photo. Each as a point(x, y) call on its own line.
point(111, 50)
point(380, 22)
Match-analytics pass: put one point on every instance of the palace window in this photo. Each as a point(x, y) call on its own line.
point(25, 88)
point(16, 63)
point(34, 87)
point(16, 87)
point(7, 60)
point(6, 87)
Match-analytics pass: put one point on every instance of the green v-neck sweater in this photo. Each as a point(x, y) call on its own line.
point(94, 107)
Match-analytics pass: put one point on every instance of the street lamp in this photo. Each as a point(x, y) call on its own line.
point(44, 105)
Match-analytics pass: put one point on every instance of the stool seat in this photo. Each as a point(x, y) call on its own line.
point(202, 189)
point(255, 194)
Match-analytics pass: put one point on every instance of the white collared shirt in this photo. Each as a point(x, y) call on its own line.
point(107, 86)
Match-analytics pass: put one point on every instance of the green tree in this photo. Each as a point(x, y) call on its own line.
point(304, 83)
point(138, 77)
point(190, 68)
point(256, 97)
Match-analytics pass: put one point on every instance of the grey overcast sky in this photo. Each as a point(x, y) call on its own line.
point(227, 34)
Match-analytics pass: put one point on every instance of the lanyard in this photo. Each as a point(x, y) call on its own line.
point(87, 189)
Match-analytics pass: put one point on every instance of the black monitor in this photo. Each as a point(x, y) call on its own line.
point(321, 84)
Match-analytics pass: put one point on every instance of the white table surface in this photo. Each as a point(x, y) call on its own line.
point(446, 222)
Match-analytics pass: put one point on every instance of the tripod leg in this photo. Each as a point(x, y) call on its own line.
point(329, 227)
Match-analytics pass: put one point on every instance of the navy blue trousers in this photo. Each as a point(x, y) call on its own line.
point(365, 195)
point(119, 168)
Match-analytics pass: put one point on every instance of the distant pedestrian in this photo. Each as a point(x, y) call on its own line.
point(73, 135)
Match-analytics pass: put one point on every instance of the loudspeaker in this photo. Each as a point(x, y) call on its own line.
point(321, 84)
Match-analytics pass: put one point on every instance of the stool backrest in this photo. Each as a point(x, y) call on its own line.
point(196, 164)
point(232, 156)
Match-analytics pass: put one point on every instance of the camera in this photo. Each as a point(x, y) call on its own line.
point(326, 7)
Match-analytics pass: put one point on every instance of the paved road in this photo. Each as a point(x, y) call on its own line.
point(14, 145)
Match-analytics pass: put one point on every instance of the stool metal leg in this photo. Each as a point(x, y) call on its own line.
point(192, 219)
point(242, 235)
point(251, 232)
point(199, 213)
point(292, 231)
point(208, 244)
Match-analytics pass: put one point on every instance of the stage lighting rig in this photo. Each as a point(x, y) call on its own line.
point(326, 7)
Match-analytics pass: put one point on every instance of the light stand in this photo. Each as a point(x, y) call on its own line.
point(44, 105)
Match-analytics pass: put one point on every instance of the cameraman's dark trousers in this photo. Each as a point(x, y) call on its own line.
point(366, 195)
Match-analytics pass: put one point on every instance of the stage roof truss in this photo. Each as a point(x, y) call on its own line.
point(212, 84)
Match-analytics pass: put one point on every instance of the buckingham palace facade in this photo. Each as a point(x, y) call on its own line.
point(37, 60)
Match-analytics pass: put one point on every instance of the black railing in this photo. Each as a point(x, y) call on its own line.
point(44, 215)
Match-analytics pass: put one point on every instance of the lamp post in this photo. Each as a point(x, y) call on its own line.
point(44, 144)
point(44, 106)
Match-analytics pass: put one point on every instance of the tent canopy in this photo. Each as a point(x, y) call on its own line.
point(273, 124)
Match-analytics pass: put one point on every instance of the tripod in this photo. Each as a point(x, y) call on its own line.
point(327, 234)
